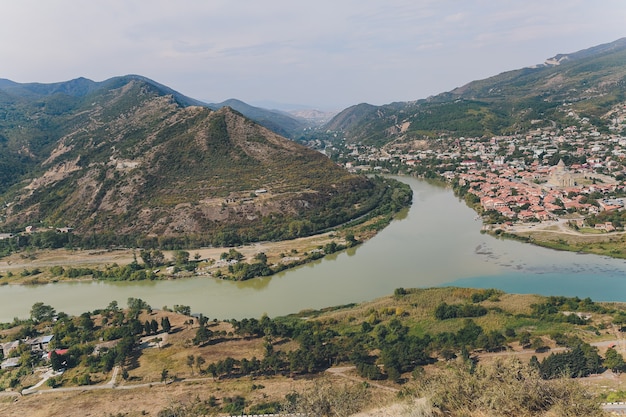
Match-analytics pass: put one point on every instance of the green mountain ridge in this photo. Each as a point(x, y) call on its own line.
point(592, 80)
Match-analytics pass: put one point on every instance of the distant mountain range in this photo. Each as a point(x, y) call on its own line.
point(591, 80)
point(282, 123)
point(289, 124)
point(130, 158)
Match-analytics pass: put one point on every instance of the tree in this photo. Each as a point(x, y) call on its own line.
point(614, 361)
point(261, 257)
point(181, 257)
point(147, 328)
point(191, 360)
point(537, 344)
point(41, 312)
point(351, 240)
point(56, 361)
point(491, 342)
point(524, 339)
point(112, 307)
point(165, 324)
point(182, 309)
point(85, 322)
point(232, 255)
point(202, 335)
point(135, 305)
point(146, 257)
point(199, 362)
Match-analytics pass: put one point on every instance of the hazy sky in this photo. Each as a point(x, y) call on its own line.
point(327, 54)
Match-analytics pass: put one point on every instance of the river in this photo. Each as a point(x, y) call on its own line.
point(434, 243)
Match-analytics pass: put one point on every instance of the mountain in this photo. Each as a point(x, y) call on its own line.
point(131, 159)
point(282, 123)
point(313, 117)
point(80, 87)
point(589, 82)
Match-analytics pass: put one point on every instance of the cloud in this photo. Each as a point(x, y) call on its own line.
point(334, 52)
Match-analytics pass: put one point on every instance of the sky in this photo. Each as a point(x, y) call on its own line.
point(322, 54)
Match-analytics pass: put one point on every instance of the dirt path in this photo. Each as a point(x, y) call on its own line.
point(340, 371)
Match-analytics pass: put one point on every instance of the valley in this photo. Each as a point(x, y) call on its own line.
point(264, 276)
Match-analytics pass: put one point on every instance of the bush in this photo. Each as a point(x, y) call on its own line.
point(504, 388)
point(445, 311)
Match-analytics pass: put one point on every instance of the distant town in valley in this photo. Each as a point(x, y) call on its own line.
point(550, 173)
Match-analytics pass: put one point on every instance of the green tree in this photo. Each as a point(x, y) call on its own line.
point(56, 361)
point(85, 322)
point(261, 257)
point(614, 361)
point(181, 257)
point(191, 360)
point(41, 312)
point(146, 257)
point(524, 339)
point(203, 335)
point(199, 362)
point(165, 324)
point(181, 309)
point(135, 305)
point(537, 343)
point(232, 255)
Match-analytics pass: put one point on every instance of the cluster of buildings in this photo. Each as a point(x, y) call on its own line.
point(540, 193)
point(523, 177)
point(37, 345)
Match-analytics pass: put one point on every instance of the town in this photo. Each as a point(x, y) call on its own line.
point(550, 173)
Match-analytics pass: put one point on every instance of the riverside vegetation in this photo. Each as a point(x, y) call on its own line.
point(150, 263)
point(444, 345)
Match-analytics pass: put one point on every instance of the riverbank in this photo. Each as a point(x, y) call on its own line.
point(553, 234)
point(38, 267)
point(558, 235)
point(157, 372)
point(25, 265)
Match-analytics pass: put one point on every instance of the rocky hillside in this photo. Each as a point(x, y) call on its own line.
point(131, 159)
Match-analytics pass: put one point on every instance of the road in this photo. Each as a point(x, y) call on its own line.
point(615, 408)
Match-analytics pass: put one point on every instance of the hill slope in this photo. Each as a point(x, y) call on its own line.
point(279, 122)
point(591, 80)
point(128, 159)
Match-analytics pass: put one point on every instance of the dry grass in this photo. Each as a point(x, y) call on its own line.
point(43, 260)
point(607, 244)
point(149, 400)
point(416, 309)
point(504, 388)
